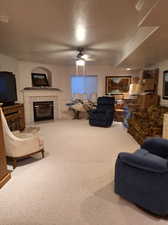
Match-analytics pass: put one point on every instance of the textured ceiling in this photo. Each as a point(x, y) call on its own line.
point(50, 31)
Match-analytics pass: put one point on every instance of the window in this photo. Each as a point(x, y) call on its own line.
point(84, 85)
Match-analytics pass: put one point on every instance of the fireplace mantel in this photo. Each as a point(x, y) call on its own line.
point(41, 89)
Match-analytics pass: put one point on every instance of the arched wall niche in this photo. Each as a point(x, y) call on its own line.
point(43, 70)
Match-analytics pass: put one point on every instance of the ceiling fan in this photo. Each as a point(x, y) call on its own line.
point(82, 57)
point(71, 52)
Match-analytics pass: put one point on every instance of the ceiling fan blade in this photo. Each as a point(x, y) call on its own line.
point(90, 59)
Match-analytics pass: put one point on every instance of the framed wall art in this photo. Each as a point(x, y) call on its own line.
point(117, 85)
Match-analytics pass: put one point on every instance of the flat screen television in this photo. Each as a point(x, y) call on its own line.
point(39, 80)
point(8, 94)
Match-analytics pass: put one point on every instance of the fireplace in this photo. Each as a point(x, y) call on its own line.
point(43, 110)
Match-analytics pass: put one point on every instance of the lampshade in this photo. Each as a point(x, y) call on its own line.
point(135, 89)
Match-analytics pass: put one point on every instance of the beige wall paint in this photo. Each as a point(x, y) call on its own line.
point(8, 64)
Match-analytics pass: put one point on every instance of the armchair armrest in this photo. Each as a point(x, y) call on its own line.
point(146, 161)
point(157, 146)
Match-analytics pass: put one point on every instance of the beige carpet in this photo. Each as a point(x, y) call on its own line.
point(73, 184)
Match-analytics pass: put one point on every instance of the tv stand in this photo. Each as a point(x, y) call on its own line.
point(8, 104)
point(14, 115)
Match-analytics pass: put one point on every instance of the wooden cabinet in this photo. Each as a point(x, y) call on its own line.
point(4, 174)
point(145, 101)
point(150, 80)
point(14, 115)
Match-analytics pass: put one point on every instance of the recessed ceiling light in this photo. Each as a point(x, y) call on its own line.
point(4, 19)
point(80, 33)
point(128, 69)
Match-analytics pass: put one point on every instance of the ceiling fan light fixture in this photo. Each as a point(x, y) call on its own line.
point(80, 62)
point(85, 57)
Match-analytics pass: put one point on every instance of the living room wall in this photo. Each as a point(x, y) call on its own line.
point(102, 71)
point(8, 63)
point(61, 76)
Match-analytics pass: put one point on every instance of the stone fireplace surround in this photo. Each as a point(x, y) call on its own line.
point(31, 96)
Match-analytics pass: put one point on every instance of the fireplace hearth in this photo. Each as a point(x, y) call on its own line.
point(43, 110)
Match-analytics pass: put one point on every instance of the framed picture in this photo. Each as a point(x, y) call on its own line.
point(39, 80)
point(165, 84)
point(117, 85)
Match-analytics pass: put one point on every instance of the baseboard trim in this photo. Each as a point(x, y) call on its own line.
point(5, 180)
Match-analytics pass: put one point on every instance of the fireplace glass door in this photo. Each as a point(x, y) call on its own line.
point(43, 110)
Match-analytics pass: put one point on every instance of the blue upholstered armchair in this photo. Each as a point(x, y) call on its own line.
point(142, 177)
point(103, 115)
